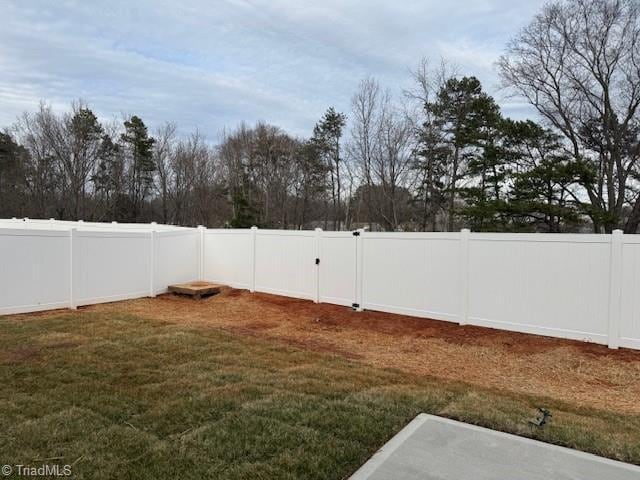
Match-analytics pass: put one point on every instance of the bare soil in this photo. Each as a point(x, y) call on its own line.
point(582, 374)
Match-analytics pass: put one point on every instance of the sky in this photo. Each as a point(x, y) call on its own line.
point(211, 64)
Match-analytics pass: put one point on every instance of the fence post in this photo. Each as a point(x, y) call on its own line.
point(464, 276)
point(615, 288)
point(254, 232)
point(357, 306)
point(201, 239)
point(72, 238)
point(317, 264)
point(152, 263)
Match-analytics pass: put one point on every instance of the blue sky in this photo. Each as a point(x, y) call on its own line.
point(212, 64)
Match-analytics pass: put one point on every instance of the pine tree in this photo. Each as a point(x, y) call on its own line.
point(139, 146)
point(244, 214)
point(459, 113)
point(13, 160)
point(78, 156)
point(543, 175)
point(327, 135)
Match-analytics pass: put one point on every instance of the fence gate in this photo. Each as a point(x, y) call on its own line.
point(337, 267)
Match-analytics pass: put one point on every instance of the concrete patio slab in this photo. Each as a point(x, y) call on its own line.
point(435, 448)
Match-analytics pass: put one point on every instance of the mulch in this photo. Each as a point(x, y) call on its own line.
point(583, 374)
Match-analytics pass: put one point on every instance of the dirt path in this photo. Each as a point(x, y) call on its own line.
point(583, 374)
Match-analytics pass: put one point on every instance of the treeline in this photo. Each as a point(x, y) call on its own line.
point(439, 157)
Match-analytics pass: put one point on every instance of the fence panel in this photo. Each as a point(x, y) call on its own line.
point(630, 294)
point(285, 263)
point(176, 258)
point(228, 257)
point(34, 270)
point(337, 275)
point(548, 284)
point(412, 273)
point(581, 287)
point(110, 266)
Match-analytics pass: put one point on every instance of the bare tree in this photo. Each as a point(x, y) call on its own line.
point(428, 166)
point(391, 163)
point(162, 151)
point(381, 150)
point(41, 171)
point(578, 64)
point(184, 165)
point(365, 129)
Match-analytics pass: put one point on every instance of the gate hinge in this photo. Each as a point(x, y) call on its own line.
point(317, 261)
point(356, 233)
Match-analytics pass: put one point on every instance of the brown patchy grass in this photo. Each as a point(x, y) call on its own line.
point(174, 395)
point(585, 375)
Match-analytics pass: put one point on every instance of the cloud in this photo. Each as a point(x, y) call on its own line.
point(210, 65)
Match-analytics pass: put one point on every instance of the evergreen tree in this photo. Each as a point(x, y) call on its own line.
point(487, 170)
point(244, 214)
point(543, 175)
point(312, 179)
point(78, 156)
point(460, 112)
point(13, 158)
point(139, 147)
point(109, 181)
point(327, 135)
point(430, 165)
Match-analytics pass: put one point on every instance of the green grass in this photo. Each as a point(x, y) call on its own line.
point(129, 398)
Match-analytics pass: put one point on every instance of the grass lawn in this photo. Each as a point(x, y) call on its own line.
point(119, 396)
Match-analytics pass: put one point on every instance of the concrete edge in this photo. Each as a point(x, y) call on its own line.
point(531, 441)
point(378, 458)
point(388, 448)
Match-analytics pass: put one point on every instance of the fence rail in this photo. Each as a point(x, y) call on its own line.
point(583, 287)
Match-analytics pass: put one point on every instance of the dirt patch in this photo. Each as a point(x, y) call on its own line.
point(586, 375)
point(234, 292)
point(259, 325)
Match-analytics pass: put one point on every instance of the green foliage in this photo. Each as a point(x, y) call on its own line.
point(139, 145)
point(328, 131)
point(313, 179)
point(85, 127)
point(463, 111)
point(327, 134)
point(515, 175)
point(458, 140)
point(13, 165)
point(244, 214)
point(542, 180)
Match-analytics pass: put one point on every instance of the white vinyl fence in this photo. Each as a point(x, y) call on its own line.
point(583, 287)
point(46, 265)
